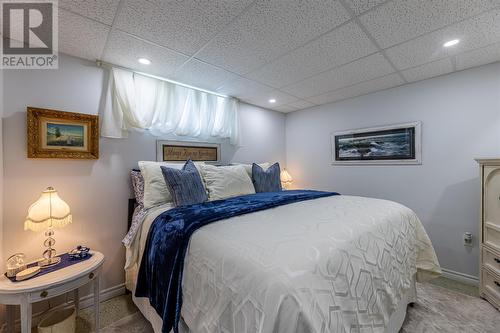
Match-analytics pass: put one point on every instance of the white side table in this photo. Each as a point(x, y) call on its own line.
point(56, 283)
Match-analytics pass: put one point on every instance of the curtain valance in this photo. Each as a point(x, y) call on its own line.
point(135, 101)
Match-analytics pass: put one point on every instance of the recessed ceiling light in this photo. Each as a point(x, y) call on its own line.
point(451, 42)
point(272, 100)
point(144, 61)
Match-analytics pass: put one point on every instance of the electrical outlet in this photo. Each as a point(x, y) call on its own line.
point(467, 239)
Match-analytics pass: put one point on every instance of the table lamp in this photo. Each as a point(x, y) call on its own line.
point(286, 179)
point(47, 213)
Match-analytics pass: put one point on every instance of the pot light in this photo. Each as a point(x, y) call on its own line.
point(272, 100)
point(144, 61)
point(451, 42)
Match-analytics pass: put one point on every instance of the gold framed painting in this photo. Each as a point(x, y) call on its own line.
point(60, 134)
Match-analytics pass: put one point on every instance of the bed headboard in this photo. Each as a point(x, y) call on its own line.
point(181, 151)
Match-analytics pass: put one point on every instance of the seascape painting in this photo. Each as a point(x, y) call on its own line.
point(65, 135)
point(61, 134)
point(396, 144)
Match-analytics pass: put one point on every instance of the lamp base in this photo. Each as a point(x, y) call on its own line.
point(49, 262)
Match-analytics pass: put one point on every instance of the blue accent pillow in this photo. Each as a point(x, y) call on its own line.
point(268, 180)
point(185, 186)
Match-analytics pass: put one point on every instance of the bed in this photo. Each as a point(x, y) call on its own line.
point(332, 264)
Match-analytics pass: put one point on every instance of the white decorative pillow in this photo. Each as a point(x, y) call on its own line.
point(248, 167)
point(155, 190)
point(226, 181)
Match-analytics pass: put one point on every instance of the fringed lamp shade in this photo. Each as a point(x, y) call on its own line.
point(48, 212)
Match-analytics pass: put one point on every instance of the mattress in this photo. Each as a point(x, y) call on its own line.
point(333, 264)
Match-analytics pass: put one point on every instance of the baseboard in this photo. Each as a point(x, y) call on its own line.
point(460, 277)
point(106, 294)
point(85, 302)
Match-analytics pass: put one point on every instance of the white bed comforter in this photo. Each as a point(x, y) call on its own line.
point(335, 264)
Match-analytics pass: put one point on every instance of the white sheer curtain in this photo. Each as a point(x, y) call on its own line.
point(136, 101)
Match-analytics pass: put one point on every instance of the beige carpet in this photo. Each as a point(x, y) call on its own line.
point(442, 310)
point(444, 306)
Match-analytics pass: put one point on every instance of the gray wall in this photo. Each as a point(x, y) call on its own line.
point(461, 121)
point(96, 190)
point(262, 136)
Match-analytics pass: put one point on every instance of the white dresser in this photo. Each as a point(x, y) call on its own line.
point(489, 233)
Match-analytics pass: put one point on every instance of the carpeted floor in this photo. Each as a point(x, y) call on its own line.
point(445, 306)
point(447, 311)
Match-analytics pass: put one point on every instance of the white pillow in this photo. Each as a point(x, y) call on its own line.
point(248, 167)
point(155, 190)
point(226, 181)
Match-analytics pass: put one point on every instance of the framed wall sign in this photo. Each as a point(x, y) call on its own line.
point(180, 151)
point(59, 134)
point(394, 144)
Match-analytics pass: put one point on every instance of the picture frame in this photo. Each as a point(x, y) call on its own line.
point(180, 151)
point(383, 145)
point(63, 135)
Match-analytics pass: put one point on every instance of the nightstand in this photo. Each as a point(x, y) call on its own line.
point(56, 283)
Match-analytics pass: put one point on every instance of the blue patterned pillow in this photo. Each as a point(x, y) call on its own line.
point(266, 181)
point(185, 186)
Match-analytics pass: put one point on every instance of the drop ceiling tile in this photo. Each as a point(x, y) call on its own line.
point(202, 75)
point(102, 10)
point(81, 37)
point(401, 20)
point(301, 104)
point(363, 88)
point(184, 26)
point(285, 108)
point(263, 99)
point(473, 33)
point(361, 6)
point(269, 29)
point(124, 50)
point(478, 57)
point(360, 70)
point(336, 48)
point(435, 68)
point(243, 88)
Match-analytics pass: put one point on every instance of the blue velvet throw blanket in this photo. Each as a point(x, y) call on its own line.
point(160, 274)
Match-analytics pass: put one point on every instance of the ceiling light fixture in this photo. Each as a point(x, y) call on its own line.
point(451, 42)
point(272, 100)
point(144, 61)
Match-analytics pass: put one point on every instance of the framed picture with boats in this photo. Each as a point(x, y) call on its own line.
point(60, 134)
point(393, 144)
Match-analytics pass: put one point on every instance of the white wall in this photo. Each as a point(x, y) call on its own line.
point(461, 121)
point(96, 190)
